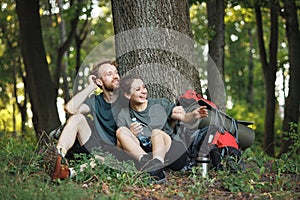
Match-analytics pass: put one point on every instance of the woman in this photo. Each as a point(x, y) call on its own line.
point(153, 118)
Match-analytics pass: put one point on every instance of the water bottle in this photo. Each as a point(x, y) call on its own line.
point(145, 141)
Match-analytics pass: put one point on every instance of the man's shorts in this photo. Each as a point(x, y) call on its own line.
point(96, 143)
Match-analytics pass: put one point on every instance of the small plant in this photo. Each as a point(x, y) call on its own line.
point(295, 137)
point(290, 161)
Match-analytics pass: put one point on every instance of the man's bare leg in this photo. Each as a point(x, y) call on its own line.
point(76, 127)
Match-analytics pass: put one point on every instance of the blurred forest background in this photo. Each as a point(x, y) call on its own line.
point(255, 45)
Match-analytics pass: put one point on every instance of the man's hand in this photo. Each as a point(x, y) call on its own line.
point(92, 81)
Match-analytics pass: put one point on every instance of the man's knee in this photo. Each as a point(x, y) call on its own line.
point(78, 118)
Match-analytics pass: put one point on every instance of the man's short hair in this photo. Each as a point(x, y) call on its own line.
point(96, 66)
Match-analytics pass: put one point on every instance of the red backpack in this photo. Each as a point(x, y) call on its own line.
point(224, 142)
point(191, 96)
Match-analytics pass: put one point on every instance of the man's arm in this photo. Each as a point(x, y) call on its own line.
point(75, 105)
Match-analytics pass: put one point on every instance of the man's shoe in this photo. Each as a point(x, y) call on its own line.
point(53, 165)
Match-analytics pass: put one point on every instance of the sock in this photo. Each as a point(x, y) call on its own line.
point(159, 158)
point(141, 156)
point(61, 151)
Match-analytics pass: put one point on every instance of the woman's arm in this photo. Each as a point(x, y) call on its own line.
point(179, 114)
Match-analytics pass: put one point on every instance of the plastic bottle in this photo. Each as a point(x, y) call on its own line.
point(145, 141)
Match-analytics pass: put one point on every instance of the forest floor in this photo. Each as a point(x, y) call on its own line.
point(185, 186)
point(23, 177)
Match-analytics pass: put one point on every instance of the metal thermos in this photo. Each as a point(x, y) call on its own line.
point(204, 163)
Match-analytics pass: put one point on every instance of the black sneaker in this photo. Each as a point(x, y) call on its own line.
point(152, 165)
point(145, 158)
point(156, 170)
point(189, 166)
point(158, 176)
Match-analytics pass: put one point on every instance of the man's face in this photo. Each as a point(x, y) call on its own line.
point(109, 77)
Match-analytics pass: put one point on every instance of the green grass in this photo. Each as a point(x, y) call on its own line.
point(23, 177)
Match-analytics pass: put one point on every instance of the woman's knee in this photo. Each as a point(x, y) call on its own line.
point(122, 132)
point(158, 132)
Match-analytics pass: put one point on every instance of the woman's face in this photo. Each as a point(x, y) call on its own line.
point(138, 92)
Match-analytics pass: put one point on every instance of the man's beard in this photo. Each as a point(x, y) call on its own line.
point(110, 87)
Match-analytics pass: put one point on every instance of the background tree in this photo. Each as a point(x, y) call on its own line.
point(12, 82)
point(215, 16)
point(41, 91)
point(269, 71)
point(291, 111)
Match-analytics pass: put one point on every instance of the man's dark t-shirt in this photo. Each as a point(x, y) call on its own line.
point(104, 115)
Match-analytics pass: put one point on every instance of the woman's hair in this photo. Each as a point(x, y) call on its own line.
point(96, 66)
point(126, 82)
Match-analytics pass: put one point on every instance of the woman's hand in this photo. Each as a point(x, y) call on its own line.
point(178, 113)
point(178, 110)
point(200, 112)
point(135, 128)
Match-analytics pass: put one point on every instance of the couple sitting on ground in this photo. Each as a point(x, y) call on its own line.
point(153, 117)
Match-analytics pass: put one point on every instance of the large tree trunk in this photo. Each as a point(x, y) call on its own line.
point(40, 88)
point(269, 71)
point(154, 39)
point(291, 111)
point(215, 69)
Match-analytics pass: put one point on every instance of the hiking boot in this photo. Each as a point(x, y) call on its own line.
point(53, 165)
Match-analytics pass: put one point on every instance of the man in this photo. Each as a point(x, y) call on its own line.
point(152, 117)
point(81, 133)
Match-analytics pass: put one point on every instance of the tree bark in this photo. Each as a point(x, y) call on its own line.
point(215, 69)
point(154, 39)
point(269, 71)
point(291, 111)
point(40, 86)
